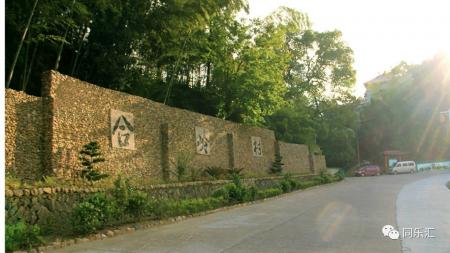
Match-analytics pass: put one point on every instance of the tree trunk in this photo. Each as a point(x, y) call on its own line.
point(58, 58)
point(11, 72)
point(33, 56)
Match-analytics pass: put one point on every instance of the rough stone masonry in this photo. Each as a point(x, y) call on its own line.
point(138, 137)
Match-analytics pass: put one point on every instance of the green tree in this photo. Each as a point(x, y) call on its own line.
point(404, 112)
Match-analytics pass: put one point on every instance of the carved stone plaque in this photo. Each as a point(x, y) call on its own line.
point(202, 140)
point(122, 130)
point(256, 146)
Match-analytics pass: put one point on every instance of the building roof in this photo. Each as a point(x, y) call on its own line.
point(379, 79)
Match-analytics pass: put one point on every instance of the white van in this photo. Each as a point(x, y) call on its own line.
point(404, 167)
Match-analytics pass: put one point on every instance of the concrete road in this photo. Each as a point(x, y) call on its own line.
point(342, 217)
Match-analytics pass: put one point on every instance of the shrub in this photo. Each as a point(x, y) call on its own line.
point(137, 203)
point(195, 174)
point(94, 213)
point(288, 183)
point(21, 235)
point(285, 186)
point(122, 190)
point(233, 193)
point(106, 207)
point(340, 175)
point(182, 166)
point(86, 218)
point(250, 193)
point(89, 156)
point(215, 172)
point(325, 178)
point(234, 172)
point(221, 193)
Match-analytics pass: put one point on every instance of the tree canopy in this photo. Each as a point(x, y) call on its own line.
point(404, 113)
point(275, 72)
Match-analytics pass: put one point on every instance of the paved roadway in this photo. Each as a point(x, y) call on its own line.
point(342, 217)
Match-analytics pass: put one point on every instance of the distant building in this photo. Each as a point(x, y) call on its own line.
point(374, 86)
point(381, 82)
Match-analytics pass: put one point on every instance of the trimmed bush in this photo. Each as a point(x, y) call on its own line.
point(21, 235)
point(277, 165)
point(89, 156)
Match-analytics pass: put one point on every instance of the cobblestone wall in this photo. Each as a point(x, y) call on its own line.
point(44, 135)
point(81, 113)
point(24, 127)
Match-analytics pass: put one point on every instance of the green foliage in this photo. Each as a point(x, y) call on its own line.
point(285, 186)
point(89, 156)
point(288, 183)
point(251, 193)
point(21, 236)
point(268, 193)
point(182, 166)
point(122, 191)
point(86, 218)
point(170, 208)
point(137, 203)
point(195, 174)
point(420, 91)
point(107, 208)
point(307, 184)
point(277, 165)
point(234, 192)
point(94, 213)
point(340, 175)
point(323, 178)
point(100, 210)
point(234, 172)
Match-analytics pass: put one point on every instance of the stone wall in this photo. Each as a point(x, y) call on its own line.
point(320, 163)
point(24, 128)
point(295, 158)
point(44, 135)
point(81, 113)
point(51, 208)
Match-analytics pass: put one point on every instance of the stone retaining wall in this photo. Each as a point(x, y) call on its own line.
point(51, 208)
point(295, 158)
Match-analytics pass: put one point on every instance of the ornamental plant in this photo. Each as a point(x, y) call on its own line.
point(89, 156)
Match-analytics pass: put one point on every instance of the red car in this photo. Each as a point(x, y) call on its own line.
point(368, 170)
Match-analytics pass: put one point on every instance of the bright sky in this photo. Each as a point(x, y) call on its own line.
point(381, 33)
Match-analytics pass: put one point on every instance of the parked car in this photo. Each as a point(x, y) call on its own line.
point(368, 170)
point(404, 167)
